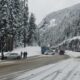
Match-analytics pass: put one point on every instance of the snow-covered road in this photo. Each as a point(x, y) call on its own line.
point(64, 70)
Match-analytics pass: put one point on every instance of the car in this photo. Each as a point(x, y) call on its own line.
point(44, 49)
point(12, 56)
point(49, 52)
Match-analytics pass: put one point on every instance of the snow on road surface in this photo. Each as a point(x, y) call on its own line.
point(65, 70)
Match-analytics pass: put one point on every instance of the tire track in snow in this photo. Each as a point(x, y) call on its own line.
point(31, 75)
point(11, 75)
point(55, 73)
point(48, 71)
point(53, 76)
point(65, 73)
point(76, 74)
point(69, 73)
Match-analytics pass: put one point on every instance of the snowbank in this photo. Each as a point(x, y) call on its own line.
point(72, 54)
point(32, 51)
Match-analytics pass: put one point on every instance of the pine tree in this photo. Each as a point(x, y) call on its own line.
point(13, 20)
point(25, 24)
point(3, 21)
point(3, 25)
point(32, 30)
point(16, 21)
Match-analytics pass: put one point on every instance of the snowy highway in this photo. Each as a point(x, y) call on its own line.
point(64, 70)
point(10, 70)
point(44, 67)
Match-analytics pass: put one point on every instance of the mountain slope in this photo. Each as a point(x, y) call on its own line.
point(60, 25)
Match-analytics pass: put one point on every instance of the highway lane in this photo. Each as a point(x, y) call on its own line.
point(19, 67)
point(64, 70)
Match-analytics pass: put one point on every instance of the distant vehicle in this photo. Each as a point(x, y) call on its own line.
point(44, 49)
point(49, 52)
point(61, 52)
point(12, 56)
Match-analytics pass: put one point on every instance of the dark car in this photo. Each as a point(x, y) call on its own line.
point(61, 52)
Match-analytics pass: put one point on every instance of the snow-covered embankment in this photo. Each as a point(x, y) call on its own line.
point(72, 54)
point(31, 50)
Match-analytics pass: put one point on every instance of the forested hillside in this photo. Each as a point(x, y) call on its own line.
point(60, 25)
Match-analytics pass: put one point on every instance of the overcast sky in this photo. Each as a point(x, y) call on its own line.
point(43, 7)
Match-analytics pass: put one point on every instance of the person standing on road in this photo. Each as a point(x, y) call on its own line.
point(21, 55)
point(25, 54)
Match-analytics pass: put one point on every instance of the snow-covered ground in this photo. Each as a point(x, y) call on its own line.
point(32, 51)
point(72, 54)
point(64, 70)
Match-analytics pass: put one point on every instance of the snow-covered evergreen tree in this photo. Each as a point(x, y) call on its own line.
point(3, 23)
point(13, 20)
point(31, 30)
point(25, 23)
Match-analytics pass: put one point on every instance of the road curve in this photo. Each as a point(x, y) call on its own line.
point(10, 70)
point(64, 70)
